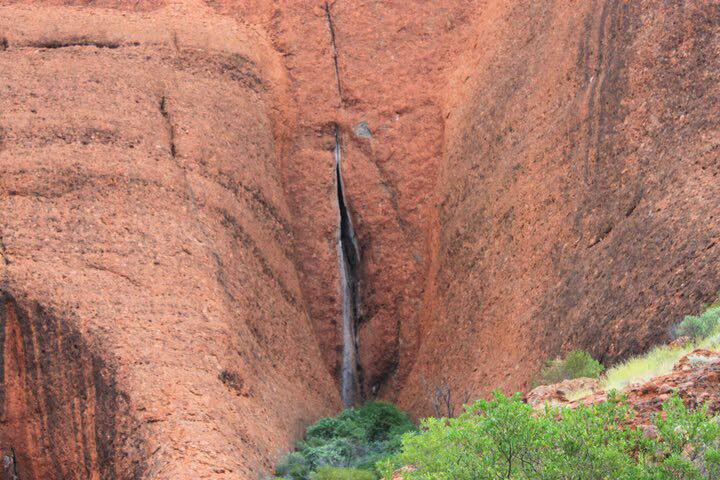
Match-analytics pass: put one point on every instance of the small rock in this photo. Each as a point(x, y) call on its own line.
point(680, 342)
point(665, 388)
point(362, 130)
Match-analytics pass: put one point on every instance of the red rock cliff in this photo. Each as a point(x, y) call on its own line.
point(523, 177)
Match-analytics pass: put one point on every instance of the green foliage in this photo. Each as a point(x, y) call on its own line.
point(576, 364)
point(334, 473)
point(504, 438)
point(701, 326)
point(355, 439)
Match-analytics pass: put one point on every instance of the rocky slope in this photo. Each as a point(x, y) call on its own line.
point(523, 178)
point(694, 378)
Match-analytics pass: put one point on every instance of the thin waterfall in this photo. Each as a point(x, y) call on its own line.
point(349, 256)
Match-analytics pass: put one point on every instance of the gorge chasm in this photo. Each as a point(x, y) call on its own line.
point(222, 220)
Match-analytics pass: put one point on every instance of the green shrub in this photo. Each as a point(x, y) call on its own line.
point(356, 438)
point(701, 326)
point(576, 364)
point(504, 438)
point(333, 473)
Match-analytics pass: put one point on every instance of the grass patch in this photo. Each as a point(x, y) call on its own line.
point(659, 361)
point(702, 330)
point(333, 473)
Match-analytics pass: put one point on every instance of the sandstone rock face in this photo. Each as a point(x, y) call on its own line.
point(153, 322)
point(581, 160)
point(388, 86)
point(524, 177)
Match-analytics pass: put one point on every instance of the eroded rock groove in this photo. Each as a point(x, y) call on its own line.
point(333, 43)
point(349, 254)
point(170, 128)
point(10, 465)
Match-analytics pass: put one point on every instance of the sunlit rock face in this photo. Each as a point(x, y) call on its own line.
point(581, 160)
point(155, 327)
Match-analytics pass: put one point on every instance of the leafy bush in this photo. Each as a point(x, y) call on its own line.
point(355, 439)
point(504, 438)
point(576, 364)
point(333, 473)
point(701, 326)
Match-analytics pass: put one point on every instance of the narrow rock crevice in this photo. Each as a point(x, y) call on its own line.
point(4, 263)
point(349, 256)
point(3, 252)
point(9, 465)
point(170, 128)
point(77, 42)
point(331, 27)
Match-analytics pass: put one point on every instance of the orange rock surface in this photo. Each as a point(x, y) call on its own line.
point(524, 177)
point(154, 325)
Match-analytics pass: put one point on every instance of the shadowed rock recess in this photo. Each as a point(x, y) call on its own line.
point(522, 178)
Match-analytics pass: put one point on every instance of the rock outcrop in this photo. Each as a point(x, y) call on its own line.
point(695, 378)
point(524, 177)
point(557, 393)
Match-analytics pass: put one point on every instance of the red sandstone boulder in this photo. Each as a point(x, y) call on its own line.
point(557, 394)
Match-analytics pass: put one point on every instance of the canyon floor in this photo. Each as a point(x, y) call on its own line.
point(215, 214)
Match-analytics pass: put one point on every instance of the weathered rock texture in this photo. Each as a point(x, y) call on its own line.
point(154, 325)
point(581, 164)
point(391, 64)
point(524, 177)
point(695, 379)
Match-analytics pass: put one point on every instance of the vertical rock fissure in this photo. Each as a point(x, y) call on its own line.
point(10, 463)
point(333, 43)
point(169, 125)
point(349, 256)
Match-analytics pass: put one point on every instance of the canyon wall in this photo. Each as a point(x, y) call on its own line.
point(376, 71)
point(578, 203)
point(153, 321)
point(523, 177)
